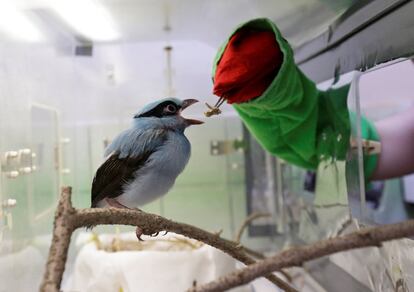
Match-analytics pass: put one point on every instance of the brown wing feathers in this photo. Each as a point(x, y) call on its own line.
point(113, 174)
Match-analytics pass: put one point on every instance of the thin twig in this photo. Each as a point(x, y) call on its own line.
point(296, 256)
point(68, 219)
point(247, 221)
point(256, 254)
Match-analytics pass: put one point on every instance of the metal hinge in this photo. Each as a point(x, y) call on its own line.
point(226, 147)
point(17, 162)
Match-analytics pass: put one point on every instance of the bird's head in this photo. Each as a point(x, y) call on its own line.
point(169, 111)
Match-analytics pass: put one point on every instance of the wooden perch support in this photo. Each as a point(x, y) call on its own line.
point(68, 219)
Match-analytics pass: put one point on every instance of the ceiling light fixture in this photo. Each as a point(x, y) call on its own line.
point(16, 24)
point(88, 18)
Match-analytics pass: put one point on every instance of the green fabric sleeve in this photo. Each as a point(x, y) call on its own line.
point(292, 119)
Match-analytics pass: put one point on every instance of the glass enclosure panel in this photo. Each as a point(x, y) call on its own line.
point(383, 93)
point(262, 180)
point(355, 170)
point(380, 95)
point(316, 202)
point(305, 205)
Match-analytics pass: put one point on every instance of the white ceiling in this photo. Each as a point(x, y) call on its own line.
point(208, 21)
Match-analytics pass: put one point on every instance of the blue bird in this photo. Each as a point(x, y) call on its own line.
point(143, 162)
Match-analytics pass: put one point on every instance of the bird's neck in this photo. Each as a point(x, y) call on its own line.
point(151, 123)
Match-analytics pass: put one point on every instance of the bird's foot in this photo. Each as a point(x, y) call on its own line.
point(114, 203)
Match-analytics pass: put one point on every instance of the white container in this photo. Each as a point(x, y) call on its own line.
point(166, 263)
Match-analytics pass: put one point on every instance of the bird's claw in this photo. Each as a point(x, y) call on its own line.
point(138, 233)
point(157, 233)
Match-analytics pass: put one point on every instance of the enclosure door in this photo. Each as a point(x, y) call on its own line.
point(46, 159)
point(29, 182)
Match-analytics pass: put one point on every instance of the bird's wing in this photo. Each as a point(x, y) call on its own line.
point(112, 175)
point(121, 166)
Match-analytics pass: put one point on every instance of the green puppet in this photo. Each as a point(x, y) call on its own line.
point(254, 70)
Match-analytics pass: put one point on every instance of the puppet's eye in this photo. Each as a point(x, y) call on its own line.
point(171, 109)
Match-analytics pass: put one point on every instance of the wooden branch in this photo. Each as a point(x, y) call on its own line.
point(296, 256)
point(68, 219)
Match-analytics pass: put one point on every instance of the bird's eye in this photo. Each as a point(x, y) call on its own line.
point(171, 109)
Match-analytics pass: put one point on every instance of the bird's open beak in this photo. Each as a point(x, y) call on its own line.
point(186, 103)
